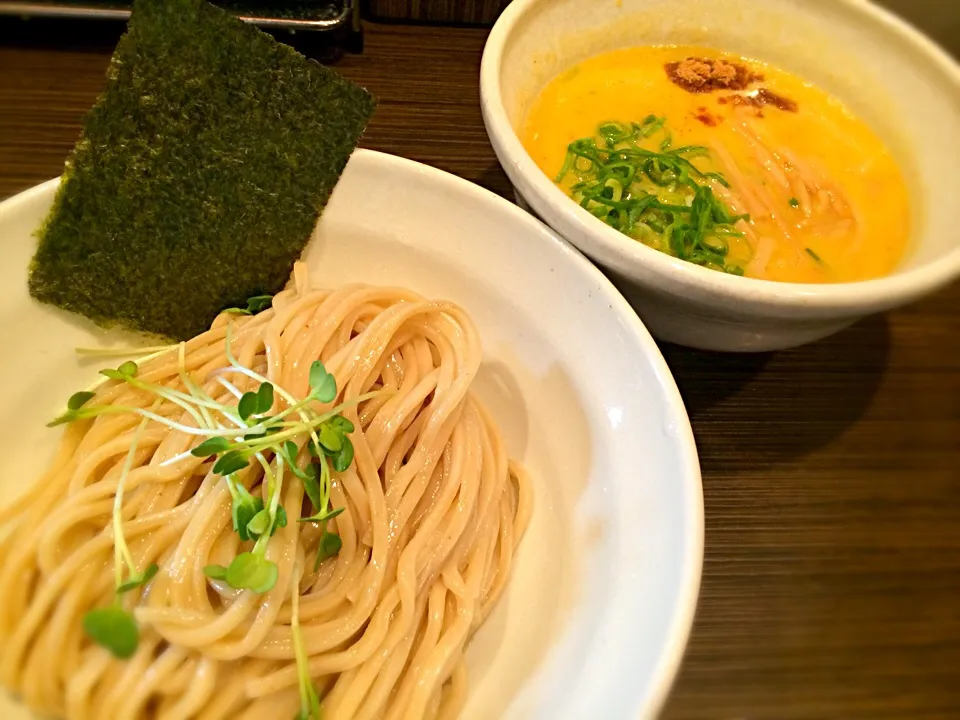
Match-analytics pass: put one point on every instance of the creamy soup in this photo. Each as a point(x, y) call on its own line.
point(725, 162)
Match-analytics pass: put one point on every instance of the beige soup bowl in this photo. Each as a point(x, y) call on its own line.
point(888, 73)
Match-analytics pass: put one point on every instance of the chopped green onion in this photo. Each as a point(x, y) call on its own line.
point(659, 197)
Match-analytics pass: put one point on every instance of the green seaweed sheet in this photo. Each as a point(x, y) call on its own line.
point(199, 175)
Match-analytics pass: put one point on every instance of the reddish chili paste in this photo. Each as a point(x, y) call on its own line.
point(760, 98)
point(707, 118)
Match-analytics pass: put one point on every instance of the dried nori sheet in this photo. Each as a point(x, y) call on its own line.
point(199, 175)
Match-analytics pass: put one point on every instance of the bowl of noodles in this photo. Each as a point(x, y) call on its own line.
point(517, 523)
point(752, 175)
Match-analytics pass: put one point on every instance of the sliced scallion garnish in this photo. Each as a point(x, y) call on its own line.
point(659, 197)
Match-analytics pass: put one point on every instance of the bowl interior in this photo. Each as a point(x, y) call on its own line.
point(883, 70)
point(601, 599)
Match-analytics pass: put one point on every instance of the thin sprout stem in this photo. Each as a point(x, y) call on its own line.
point(325, 485)
point(105, 352)
point(177, 458)
point(291, 400)
point(119, 542)
point(300, 652)
point(196, 402)
point(296, 408)
point(228, 340)
point(192, 388)
point(267, 474)
point(230, 387)
point(298, 648)
point(193, 430)
point(301, 428)
point(174, 396)
point(85, 413)
point(151, 352)
point(275, 495)
point(220, 429)
point(274, 485)
point(88, 412)
point(260, 547)
point(200, 402)
point(293, 405)
point(231, 486)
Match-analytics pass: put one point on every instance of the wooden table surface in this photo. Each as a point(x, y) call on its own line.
point(831, 473)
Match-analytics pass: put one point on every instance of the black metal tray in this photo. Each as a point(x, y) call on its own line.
point(293, 15)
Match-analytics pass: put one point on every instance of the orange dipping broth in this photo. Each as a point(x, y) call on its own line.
point(827, 200)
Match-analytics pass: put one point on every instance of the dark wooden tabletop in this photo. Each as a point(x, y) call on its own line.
point(831, 473)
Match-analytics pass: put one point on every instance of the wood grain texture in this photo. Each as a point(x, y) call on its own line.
point(473, 12)
point(831, 473)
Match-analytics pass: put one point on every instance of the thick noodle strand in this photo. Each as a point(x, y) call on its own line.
point(433, 512)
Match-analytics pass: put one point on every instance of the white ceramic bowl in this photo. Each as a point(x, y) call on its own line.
point(888, 73)
point(598, 609)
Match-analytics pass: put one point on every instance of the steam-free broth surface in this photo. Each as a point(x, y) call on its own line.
point(728, 137)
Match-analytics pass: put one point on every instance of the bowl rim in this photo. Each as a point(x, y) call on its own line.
point(692, 532)
point(678, 635)
point(638, 262)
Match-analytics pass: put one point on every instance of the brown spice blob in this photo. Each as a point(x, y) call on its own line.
point(700, 75)
point(707, 118)
point(762, 97)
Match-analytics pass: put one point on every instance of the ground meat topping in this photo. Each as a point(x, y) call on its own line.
point(700, 75)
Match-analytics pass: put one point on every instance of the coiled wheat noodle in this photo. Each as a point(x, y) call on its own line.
point(434, 511)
